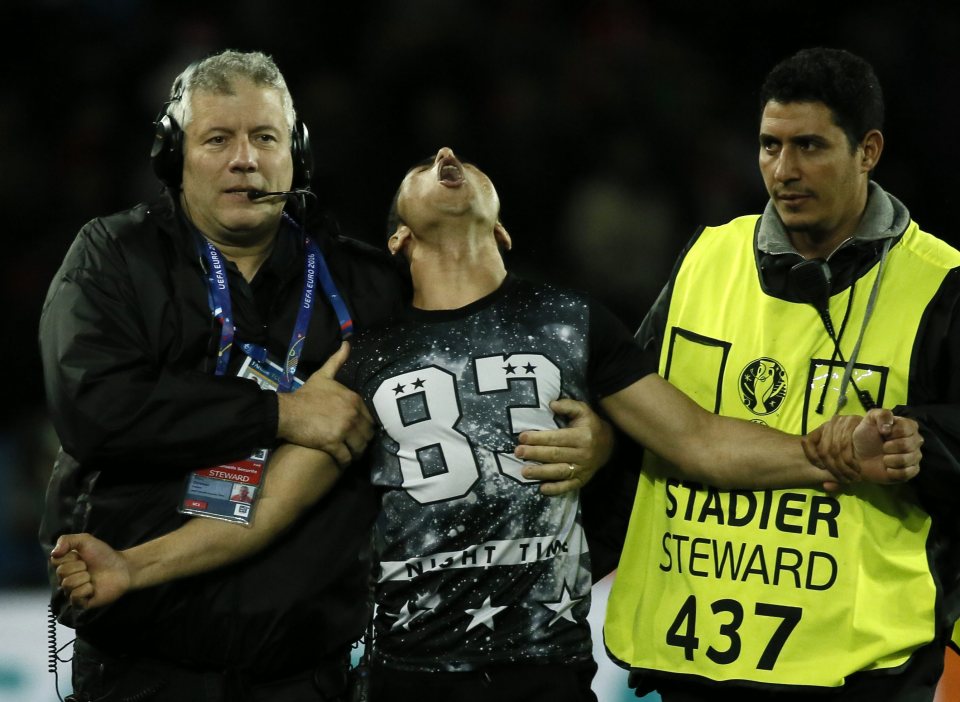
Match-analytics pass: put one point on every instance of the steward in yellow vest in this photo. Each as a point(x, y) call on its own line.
point(777, 594)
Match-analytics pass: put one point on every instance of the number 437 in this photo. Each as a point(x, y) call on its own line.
point(683, 632)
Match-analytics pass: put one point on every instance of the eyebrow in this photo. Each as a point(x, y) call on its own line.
point(764, 136)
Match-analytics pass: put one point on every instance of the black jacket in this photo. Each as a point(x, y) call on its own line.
point(128, 344)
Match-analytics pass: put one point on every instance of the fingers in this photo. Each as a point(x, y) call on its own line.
point(552, 489)
point(578, 433)
point(586, 443)
point(557, 478)
point(903, 475)
point(80, 595)
point(76, 581)
point(830, 447)
point(332, 366)
point(902, 452)
point(69, 564)
point(571, 409)
point(882, 418)
point(887, 446)
point(551, 471)
point(325, 415)
point(72, 574)
point(340, 453)
point(560, 438)
point(551, 455)
point(353, 441)
point(364, 412)
point(67, 543)
point(809, 443)
point(904, 427)
point(555, 446)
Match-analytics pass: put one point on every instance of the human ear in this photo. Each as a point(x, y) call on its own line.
point(871, 146)
point(502, 236)
point(399, 239)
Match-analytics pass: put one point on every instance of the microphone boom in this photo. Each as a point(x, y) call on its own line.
point(260, 194)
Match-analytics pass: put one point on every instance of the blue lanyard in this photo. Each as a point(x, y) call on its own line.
point(218, 288)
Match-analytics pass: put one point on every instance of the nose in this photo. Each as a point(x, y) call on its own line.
point(786, 168)
point(244, 158)
point(444, 152)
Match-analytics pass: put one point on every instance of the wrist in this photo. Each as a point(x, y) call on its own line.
point(137, 567)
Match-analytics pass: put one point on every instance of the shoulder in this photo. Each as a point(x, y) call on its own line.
point(112, 238)
point(376, 283)
point(367, 266)
point(744, 226)
point(357, 253)
point(929, 249)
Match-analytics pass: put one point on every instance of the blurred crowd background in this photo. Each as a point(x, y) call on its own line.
point(612, 129)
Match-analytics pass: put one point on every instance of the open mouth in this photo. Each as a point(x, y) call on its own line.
point(450, 172)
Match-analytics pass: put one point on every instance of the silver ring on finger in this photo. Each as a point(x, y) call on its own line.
point(573, 469)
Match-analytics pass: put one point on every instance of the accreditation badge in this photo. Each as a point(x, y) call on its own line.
point(229, 491)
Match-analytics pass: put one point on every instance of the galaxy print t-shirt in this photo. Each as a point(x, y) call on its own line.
point(477, 567)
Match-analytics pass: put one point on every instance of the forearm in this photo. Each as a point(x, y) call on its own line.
point(295, 479)
point(110, 396)
point(198, 546)
point(720, 451)
point(188, 420)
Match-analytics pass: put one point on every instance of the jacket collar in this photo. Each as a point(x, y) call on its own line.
point(884, 217)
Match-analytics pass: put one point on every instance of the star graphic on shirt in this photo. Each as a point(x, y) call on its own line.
point(529, 368)
point(563, 607)
point(418, 383)
point(510, 368)
point(428, 601)
point(405, 617)
point(483, 614)
point(399, 389)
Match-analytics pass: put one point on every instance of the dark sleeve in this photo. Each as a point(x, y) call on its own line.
point(650, 333)
point(114, 399)
point(607, 500)
point(934, 402)
point(616, 361)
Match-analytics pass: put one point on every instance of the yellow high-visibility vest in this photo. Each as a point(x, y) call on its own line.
point(790, 586)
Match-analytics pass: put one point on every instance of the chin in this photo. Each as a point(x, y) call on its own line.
point(795, 222)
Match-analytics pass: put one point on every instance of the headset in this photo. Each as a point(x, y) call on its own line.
point(166, 154)
point(812, 281)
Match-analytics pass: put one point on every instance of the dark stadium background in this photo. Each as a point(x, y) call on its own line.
point(611, 129)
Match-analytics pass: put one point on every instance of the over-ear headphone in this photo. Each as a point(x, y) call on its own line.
point(790, 277)
point(793, 278)
point(166, 154)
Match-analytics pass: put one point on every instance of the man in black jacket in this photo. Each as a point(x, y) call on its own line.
point(155, 324)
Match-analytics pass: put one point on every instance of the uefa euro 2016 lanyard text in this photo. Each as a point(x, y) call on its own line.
point(229, 491)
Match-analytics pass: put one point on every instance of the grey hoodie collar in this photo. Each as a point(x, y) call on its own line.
point(884, 217)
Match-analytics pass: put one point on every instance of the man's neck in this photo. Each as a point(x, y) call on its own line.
point(811, 245)
point(453, 272)
point(246, 257)
point(821, 244)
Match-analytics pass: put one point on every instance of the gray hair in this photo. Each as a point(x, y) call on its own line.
point(217, 74)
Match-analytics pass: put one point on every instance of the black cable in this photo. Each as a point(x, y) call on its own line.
point(865, 399)
point(53, 653)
